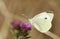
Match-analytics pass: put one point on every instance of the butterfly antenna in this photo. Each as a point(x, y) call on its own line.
point(25, 16)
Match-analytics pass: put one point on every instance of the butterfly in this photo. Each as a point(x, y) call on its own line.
point(42, 22)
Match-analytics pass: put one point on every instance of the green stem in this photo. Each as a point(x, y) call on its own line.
point(16, 35)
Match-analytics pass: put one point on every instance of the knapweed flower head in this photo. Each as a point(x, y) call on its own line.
point(16, 24)
point(25, 26)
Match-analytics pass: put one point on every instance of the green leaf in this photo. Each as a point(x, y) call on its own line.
point(25, 34)
point(27, 37)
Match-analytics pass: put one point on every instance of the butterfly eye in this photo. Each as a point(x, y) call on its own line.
point(45, 17)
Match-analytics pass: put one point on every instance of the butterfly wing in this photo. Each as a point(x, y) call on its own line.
point(40, 23)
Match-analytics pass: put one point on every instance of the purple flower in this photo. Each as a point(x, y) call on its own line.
point(15, 23)
point(25, 26)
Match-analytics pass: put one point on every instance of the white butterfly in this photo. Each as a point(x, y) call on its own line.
point(42, 21)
